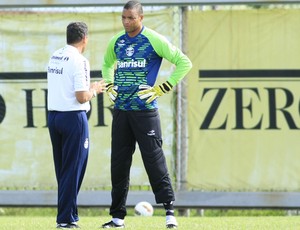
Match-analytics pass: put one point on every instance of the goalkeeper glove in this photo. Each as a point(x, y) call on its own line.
point(151, 93)
point(111, 91)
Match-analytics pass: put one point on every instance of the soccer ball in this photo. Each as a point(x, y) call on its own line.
point(143, 208)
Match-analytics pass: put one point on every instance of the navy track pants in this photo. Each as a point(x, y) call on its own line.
point(70, 143)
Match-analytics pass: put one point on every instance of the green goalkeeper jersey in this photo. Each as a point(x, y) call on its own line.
point(137, 61)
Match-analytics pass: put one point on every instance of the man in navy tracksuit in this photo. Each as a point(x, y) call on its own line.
point(69, 93)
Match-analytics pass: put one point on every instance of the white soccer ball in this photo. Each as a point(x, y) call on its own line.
point(143, 208)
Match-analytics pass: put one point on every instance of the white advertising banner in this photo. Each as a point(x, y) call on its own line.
point(28, 38)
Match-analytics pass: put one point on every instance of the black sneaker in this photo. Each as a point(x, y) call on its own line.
point(69, 225)
point(111, 224)
point(171, 226)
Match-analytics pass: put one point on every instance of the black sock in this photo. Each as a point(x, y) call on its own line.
point(169, 208)
point(169, 212)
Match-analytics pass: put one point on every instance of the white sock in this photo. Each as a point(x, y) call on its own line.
point(171, 220)
point(118, 221)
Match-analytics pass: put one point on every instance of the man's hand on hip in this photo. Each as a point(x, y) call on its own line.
point(151, 93)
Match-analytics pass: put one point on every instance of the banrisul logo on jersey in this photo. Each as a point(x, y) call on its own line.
point(55, 70)
point(132, 63)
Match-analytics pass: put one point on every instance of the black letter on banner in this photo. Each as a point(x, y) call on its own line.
point(273, 109)
point(46, 106)
point(239, 108)
point(2, 109)
point(213, 109)
point(100, 111)
point(29, 108)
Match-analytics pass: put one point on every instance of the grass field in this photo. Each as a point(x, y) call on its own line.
point(156, 222)
point(92, 218)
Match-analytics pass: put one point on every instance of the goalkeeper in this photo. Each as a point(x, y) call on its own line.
point(137, 53)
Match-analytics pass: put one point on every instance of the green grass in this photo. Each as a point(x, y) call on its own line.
point(214, 219)
point(50, 211)
point(157, 222)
